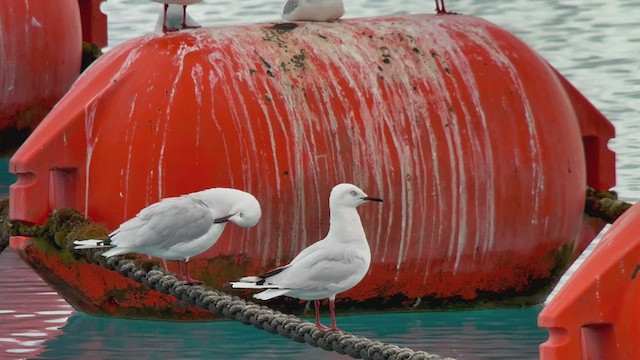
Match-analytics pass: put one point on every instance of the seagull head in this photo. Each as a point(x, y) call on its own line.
point(245, 211)
point(349, 195)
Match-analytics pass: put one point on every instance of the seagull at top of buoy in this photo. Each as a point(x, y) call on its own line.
point(184, 4)
point(328, 267)
point(313, 10)
point(178, 228)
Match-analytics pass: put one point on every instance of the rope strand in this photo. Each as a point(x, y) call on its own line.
point(604, 205)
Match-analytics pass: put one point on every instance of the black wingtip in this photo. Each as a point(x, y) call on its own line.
point(284, 27)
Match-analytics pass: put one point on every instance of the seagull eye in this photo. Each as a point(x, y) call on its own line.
point(241, 215)
point(353, 193)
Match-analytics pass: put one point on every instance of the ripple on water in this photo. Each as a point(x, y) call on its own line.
point(28, 312)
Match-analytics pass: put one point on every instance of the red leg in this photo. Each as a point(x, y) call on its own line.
point(165, 28)
point(164, 19)
point(180, 275)
point(184, 16)
point(318, 324)
point(188, 279)
point(184, 19)
point(332, 310)
point(440, 9)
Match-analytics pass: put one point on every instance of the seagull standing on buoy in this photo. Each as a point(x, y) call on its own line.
point(184, 4)
point(313, 10)
point(179, 228)
point(328, 267)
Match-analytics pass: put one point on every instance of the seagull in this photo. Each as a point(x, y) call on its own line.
point(328, 267)
point(184, 4)
point(178, 228)
point(313, 10)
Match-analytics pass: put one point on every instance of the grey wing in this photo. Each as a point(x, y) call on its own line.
point(290, 6)
point(281, 273)
point(164, 224)
point(317, 266)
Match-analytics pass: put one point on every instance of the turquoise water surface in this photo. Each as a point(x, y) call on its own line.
point(490, 334)
point(6, 179)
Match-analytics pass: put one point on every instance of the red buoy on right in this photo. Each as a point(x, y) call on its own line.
point(595, 315)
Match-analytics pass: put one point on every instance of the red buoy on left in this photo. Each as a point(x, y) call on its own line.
point(41, 57)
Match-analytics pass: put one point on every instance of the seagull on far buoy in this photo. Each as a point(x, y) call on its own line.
point(184, 4)
point(313, 10)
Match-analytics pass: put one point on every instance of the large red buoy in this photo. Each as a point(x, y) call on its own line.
point(594, 315)
point(472, 139)
point(41, 46)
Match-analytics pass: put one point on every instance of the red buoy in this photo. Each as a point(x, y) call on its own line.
point(41, 46)
point(593, 316)
point(472, 139)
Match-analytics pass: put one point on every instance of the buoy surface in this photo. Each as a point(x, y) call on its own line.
point(471, 138)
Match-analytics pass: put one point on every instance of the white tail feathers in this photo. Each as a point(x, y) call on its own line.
point(101, 244)
point(256, 282)
point(91, 244)
point(270, 293)
point(252, 284)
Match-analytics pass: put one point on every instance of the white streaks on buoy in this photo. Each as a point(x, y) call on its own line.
point(130, 131)
point(197, 77)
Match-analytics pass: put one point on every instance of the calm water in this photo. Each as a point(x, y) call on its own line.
point(594, 43)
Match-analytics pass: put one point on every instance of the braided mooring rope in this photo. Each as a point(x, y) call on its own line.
point(261, 317)
point(604, 205)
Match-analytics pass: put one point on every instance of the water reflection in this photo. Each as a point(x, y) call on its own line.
point(30, 313)
point(495, 334)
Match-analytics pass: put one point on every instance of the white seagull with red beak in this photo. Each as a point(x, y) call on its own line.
point(179, 228)
point(328, 267)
